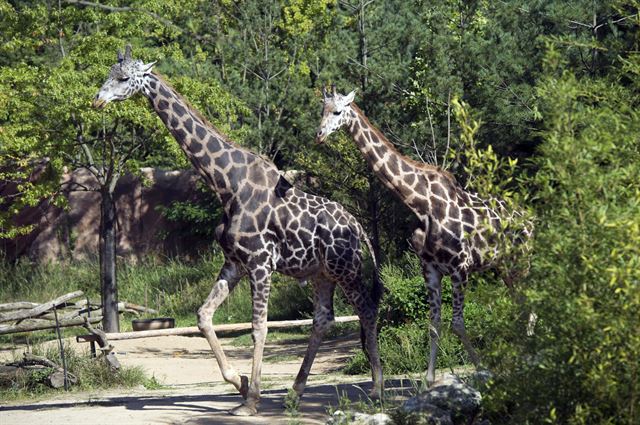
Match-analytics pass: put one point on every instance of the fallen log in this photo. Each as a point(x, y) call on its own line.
point(19, 305)
point(36, 311)
point(28, 327)
point(29, 365)
point(230, 327)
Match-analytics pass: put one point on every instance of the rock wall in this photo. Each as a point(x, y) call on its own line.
point(73, 232)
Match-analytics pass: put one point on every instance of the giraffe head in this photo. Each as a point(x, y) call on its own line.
point(336, 112)
point(125, 79)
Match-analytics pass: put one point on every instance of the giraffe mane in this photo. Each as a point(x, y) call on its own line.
point(421, 165)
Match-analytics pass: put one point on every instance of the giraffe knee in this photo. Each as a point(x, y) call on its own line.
point(204, 319)
point(458, 328)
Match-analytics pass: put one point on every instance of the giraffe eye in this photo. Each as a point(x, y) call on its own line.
point(124, 79)
point(337, 112)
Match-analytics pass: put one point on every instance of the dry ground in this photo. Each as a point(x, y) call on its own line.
point(194, 391)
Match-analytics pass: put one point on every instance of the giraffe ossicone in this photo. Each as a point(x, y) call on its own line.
point(460, 232)
point(268, 225)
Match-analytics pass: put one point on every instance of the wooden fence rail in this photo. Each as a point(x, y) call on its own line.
point(230, 327)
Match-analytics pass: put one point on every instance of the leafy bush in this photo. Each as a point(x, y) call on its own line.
point(581, 366)
point(404, 333)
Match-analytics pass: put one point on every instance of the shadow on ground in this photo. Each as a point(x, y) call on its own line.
point(202, 408)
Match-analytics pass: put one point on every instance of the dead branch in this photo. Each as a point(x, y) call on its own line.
point(36, 311)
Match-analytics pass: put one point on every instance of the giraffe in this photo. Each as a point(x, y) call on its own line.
point(268, 226)
point(459, 232)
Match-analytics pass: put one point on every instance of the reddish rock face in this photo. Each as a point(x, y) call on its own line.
point(142, 229)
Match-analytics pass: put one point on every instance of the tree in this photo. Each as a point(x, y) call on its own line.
point(56, 58)
point(584, 276)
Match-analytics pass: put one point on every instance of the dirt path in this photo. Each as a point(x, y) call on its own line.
point(194, 391)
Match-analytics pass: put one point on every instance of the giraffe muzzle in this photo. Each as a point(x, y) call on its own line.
point(98, 103)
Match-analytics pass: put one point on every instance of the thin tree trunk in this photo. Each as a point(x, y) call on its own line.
point(110, 319)
point(364, 82)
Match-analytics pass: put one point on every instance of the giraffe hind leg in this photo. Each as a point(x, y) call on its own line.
point(359, 298)
point(457, 323)
point(433, 282)
point(323, 319)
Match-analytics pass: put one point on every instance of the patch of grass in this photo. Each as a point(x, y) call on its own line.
point(291, 406)
point(280, 335)
point(281, 358)
point(175, 287)
point(92, 374)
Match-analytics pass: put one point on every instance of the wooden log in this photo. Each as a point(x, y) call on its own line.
point(36, 311)
point(139, 308)
point(230, 327)
point(19, 305)
point(9, 374)
point(28, 327)
point(56, 379)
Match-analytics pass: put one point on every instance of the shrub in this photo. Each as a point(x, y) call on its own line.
point(581, 366)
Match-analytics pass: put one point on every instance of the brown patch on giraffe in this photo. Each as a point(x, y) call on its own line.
point(188, 125)
point(180, 135)
point(213, 144)
point(437, 190)
point(468, 216)
point(163, 104)
point(392, 166)
point(438, 209)
point(179, 110)
point(410, 178)
point(201, 132)
point(164, 92)
point(222, 161)
point(238, 157)
point(454, 211)
point(195, 146)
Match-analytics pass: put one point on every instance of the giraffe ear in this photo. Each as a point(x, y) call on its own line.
point(147, 67)
point(349, 98)
point(127, 52)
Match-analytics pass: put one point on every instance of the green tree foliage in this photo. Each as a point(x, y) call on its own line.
point(54, 57)
point(584, 282)
point(489, 54)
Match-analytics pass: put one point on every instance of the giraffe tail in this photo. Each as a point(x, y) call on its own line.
point(377, 290)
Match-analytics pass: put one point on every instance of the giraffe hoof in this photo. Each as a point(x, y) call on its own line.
point(375, 395)
point(244, 410)
point(244, 386)
point(291, 400)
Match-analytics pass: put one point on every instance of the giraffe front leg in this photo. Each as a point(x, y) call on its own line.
point(227, 280)
point(260, 289)
point(433, 282)
point(322, 321)
point(457, 322)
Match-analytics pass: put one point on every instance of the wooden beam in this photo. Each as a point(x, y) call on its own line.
point(36, 311)
point(19, 305)
point(28, 327)
point(230, 327)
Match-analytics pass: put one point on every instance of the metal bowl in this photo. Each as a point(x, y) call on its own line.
point(155, 323)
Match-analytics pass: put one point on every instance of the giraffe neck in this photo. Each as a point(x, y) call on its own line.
point(414, 182)
point(224, 166)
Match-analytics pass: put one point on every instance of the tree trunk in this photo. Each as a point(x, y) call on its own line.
point(110, 320)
